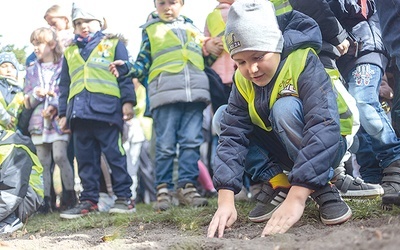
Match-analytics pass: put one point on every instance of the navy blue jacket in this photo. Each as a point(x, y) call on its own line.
point(95, 106)
point(365, 31)
point(312, 167)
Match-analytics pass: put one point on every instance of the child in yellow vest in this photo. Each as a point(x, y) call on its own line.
point(282, 114)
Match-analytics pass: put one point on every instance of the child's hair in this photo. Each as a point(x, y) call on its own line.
point(47, 35)
point(182, 1)
point(58, 11)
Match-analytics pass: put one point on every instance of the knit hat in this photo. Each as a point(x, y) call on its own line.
point(10, 58)
point(252, 25)
point(79, 13)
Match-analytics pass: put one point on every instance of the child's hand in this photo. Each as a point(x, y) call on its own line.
point(288, 213)
point(343, 47)
point(11, 125)
point(127, 111)
point(225, 215)
point(40, 92)
point(50, 112)
point(113, 67)
point(215, 46)
point(62, 123)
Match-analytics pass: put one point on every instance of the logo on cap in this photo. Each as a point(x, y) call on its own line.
point(232, 43)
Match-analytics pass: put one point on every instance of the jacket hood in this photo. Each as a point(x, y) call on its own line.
point(299, 31)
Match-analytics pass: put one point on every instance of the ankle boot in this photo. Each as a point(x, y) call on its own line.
point(68, 200)
point(45, 208)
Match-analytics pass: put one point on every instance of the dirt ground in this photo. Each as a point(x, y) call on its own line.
point(376, 233)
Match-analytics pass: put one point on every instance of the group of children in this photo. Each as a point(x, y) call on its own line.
point(289, 121)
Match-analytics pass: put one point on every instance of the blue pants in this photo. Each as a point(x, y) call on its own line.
point(364, 82)
point(91, 138)
point(178, 124)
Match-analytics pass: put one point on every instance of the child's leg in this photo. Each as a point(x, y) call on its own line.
point(109, 138)
point(87, 152)
point(43, 152)
point(190, 138)
point(61, 159)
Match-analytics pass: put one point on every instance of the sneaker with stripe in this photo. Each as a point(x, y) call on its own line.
point(81, 209)
point(268, 200)
point(10, 224)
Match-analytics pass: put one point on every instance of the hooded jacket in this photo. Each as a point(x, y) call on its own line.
point(311, 169)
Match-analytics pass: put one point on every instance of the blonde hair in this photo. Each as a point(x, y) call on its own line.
point(58, 11)
point(47, 35)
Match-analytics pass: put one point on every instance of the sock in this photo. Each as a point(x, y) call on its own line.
point(279, 180)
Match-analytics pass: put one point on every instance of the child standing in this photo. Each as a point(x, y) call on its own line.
point(42, 89)
point(282, 107)
point(94, 104)
point(172, 58)
point(11, 95)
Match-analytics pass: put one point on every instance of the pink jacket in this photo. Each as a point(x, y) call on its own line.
point(224, 65)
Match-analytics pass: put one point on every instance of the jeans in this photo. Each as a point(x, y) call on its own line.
point(178, 124)
point(266, 156)
point(364, 82)
point(287, 117)
point(370, 170)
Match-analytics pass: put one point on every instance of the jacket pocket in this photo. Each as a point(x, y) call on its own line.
point(104, 104)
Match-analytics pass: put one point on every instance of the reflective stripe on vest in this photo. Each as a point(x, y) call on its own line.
point(216, 25)
point(286, 85)
point(281, 6)
point(168, 52)
point(93, 74)
point(35, 179)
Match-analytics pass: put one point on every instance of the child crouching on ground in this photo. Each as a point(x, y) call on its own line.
point(282, 114)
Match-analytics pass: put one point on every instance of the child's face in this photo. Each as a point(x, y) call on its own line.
point(58, 23)
point(43, 51)
point(84, 27)
point(257, 66)
point(226, 1)
point(168, 10)
point(8, 70)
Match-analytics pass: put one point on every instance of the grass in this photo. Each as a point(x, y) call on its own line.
point(184, 218)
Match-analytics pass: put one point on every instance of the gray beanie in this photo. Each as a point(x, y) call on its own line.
point(79, 12)
point(10, 58)
point(252, 25)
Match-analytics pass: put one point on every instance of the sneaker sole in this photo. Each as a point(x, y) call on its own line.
point(363, 193)
point(264, 217)
point(75, 216)
point(12, 228)
point(339, 220)
point(121, 211)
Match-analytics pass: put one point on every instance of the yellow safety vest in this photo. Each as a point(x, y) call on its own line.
point(286, 84)
point(281, 6)
point(93, 74)
point(8, 143)
point(14, 108)
point(169, 54)
point(216, 25)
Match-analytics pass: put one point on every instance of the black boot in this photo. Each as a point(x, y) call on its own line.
point(45, 208)
point(68, 200)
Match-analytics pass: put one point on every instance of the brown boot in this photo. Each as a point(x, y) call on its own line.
point(188, 196)
point(164, 198)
